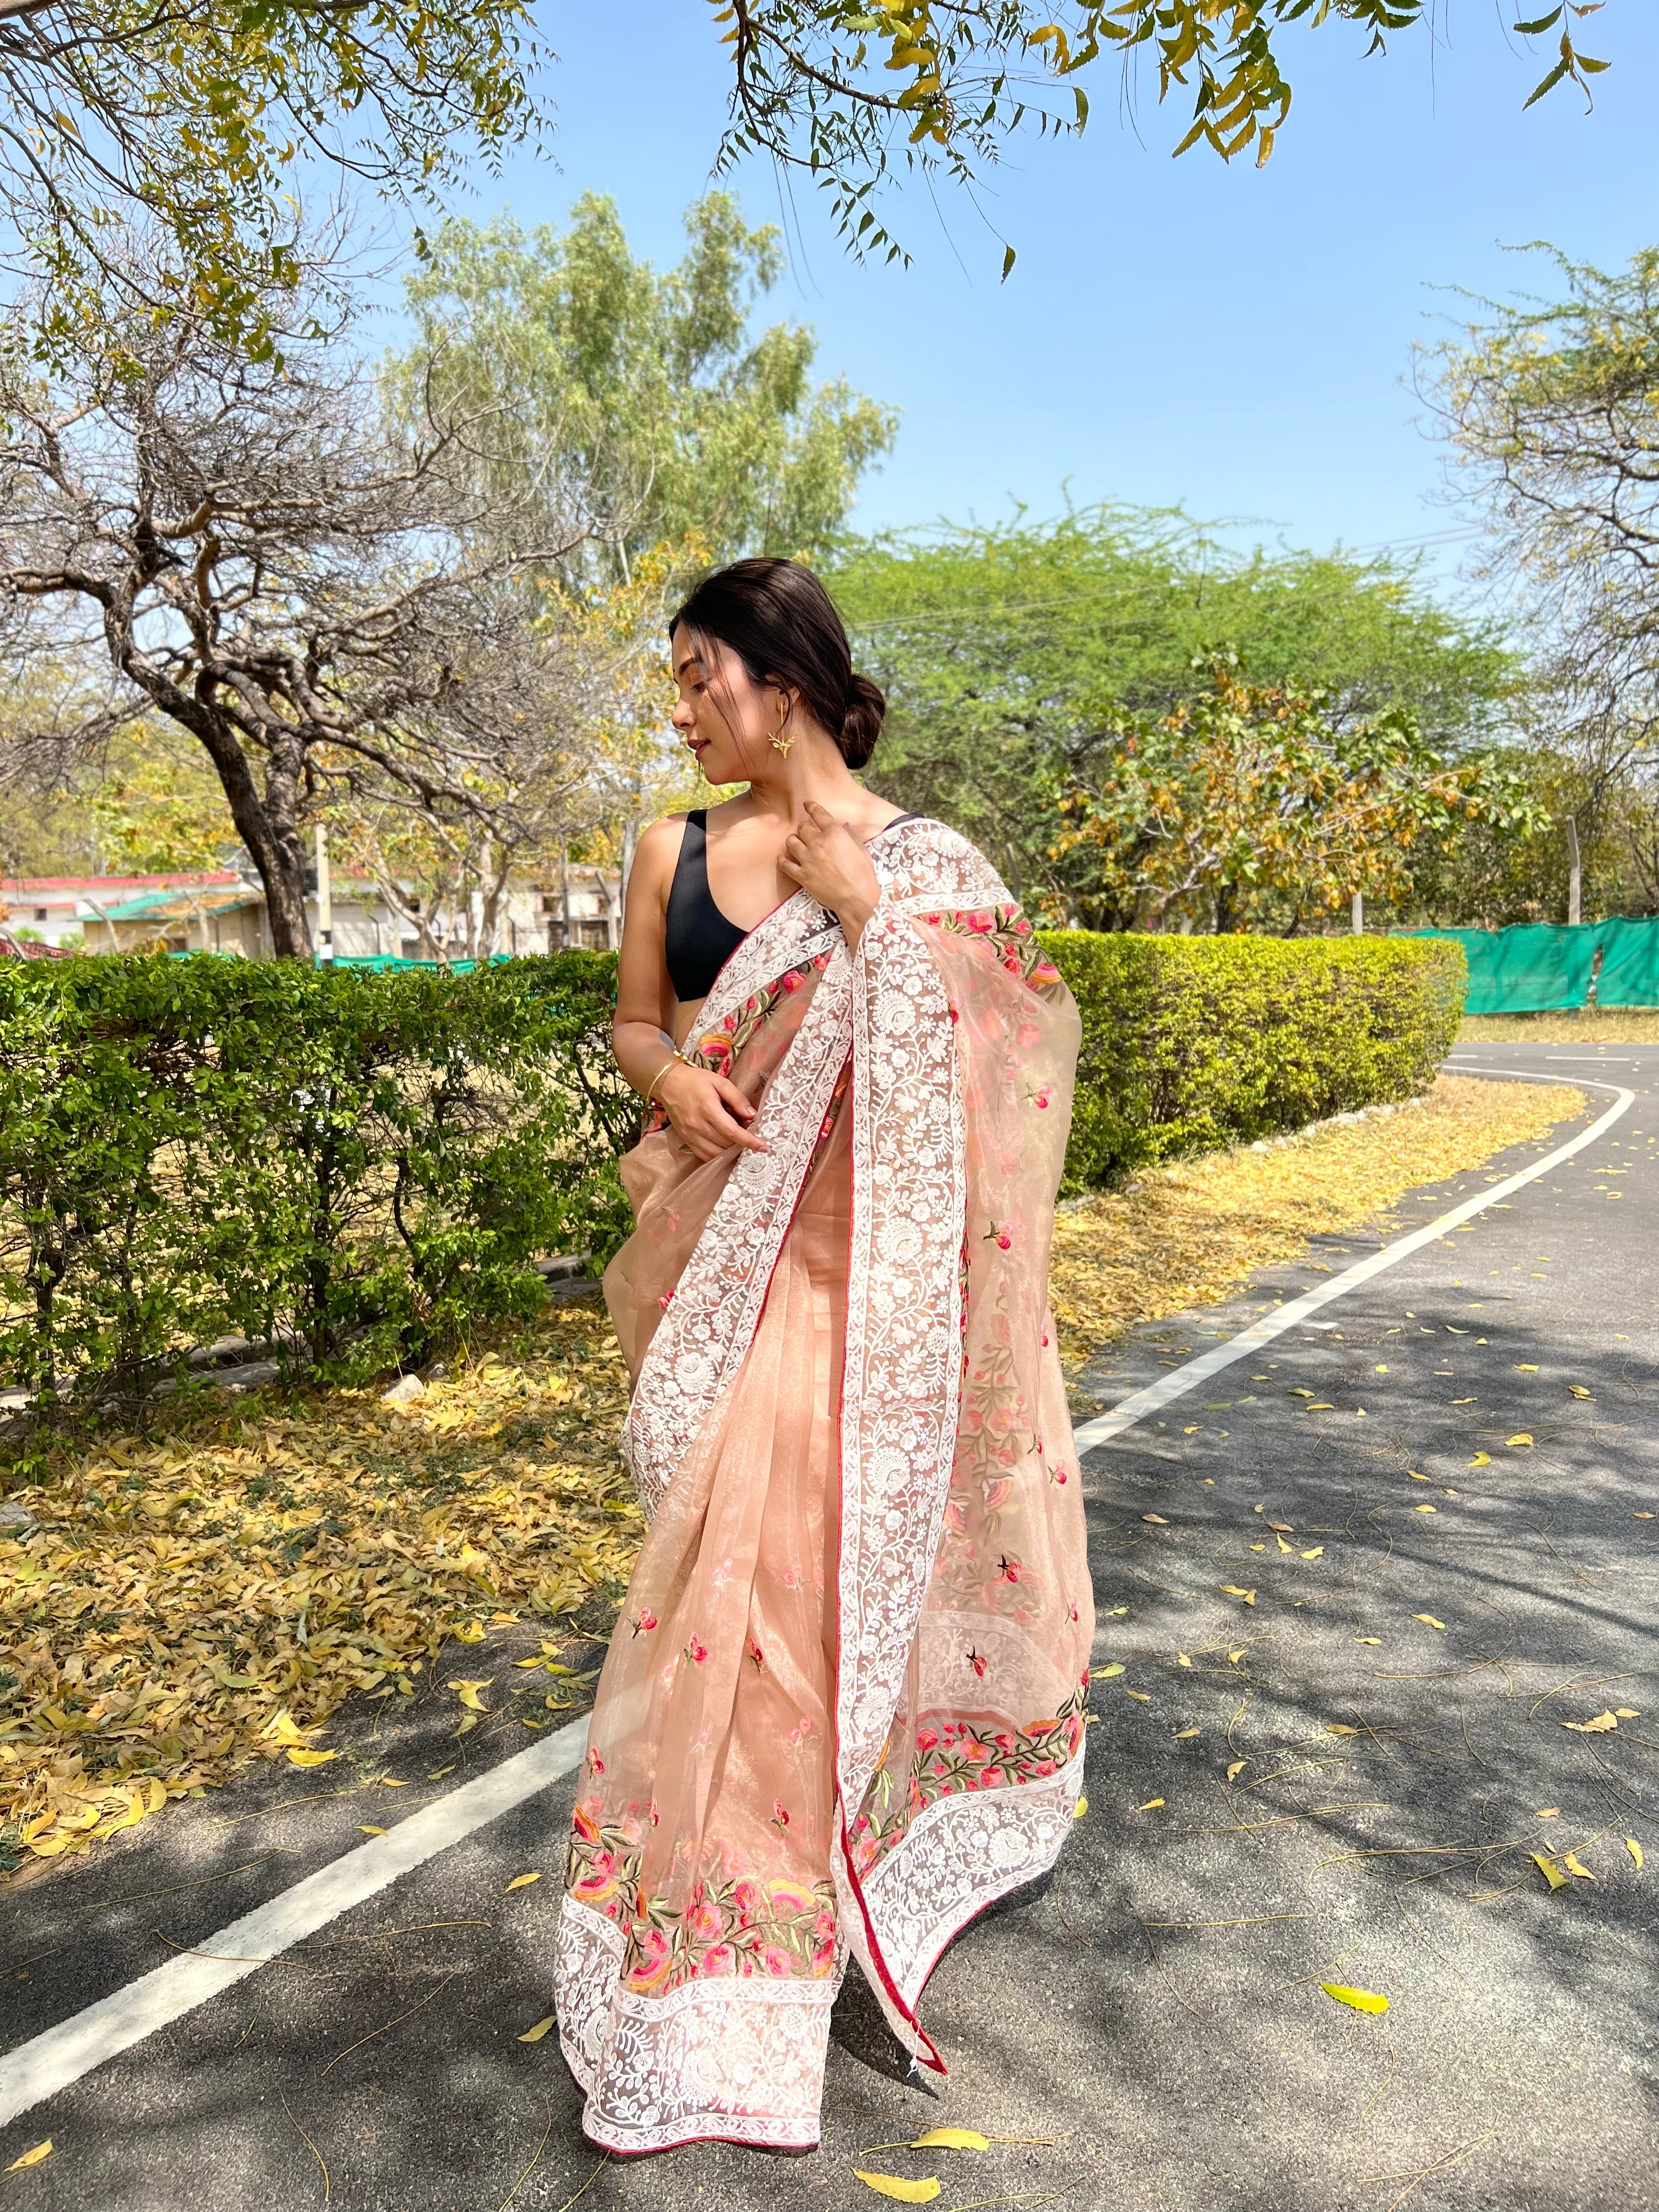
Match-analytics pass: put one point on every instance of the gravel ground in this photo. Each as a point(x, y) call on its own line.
point(1154, 2016)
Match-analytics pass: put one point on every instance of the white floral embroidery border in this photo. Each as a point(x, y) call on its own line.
point(960, 1855)
point(732, 2057)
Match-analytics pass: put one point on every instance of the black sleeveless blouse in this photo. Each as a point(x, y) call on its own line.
point(698, 939)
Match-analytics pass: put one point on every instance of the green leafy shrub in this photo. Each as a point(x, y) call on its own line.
point(1193, 1042)
point(352, 1164)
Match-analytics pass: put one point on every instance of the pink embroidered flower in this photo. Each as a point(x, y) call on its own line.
point(792, 1575)
point(1004, 1741)
point(1043, 1768)
point(775, 1961)
point(1045, 1339)
point(790, 1899)
point(1057, 1475)
point(665, 1300)
point(991, 1778)
point(667, 1675)
point(823, 1953)
point(653, 1814)
point(643, 1621)
point(1000, 1235)
point(980, 924)
point(1010, 1570)
point(802, 1730)
point(1011, 960)
point(926, 1738)
point(720, 1959)
point(746, 1897)
point(979, 1661)
point(1039, 1098)
point(1072, 1613)
point(779, 1814)
point(696, 1651)
point(956, 1517)
point(595, 1762)
point(793, 981)
point(704, 1922)
point(998, 1490)
point(954, 1010)
point(757, 1655)
point(1027, 1034)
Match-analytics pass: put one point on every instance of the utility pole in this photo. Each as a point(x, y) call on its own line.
point(1575, 876)
point(564, 898)
point(1358, 914)
point(325, 904)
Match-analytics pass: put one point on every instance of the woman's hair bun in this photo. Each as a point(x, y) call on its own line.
point(866, 709)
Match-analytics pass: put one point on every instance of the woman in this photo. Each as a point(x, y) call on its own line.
point(843, 1708)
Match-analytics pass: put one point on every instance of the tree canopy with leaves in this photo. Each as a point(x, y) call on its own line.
point(859, 93)
point(1010, 654)
point(192, 117)
point(684, 422)
point(1247, 808)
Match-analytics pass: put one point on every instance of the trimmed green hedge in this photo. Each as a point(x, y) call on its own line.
point(357, 1164)
point(1193, 1042)
point(354, 1164)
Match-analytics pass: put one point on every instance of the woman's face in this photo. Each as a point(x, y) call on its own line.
point(727, 719)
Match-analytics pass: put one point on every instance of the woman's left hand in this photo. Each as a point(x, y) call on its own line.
point(824, 858)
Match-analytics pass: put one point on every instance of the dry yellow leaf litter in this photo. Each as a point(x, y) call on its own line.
point(192, 1601)
point(1183, 1236)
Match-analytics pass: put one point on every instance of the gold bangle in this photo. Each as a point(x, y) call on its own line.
point(660, 1074)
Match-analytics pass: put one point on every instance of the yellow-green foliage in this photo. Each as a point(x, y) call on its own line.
point(1193, 1042)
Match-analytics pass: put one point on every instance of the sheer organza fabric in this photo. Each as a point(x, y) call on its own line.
point(843, 1708)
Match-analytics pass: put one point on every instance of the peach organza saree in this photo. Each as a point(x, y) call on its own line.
point(843, 1708)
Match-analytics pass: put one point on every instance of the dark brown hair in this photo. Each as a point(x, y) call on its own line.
point(782, 623)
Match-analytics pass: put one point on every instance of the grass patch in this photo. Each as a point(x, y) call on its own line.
point(211, 1593)
point(1584, 1026)
point(1188, 1235)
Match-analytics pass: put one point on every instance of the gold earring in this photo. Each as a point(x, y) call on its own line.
point(783, 737)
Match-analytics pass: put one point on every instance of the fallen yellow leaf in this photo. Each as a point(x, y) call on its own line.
point(951, 2139)
point(1151, 1805)
point(1235, 1656)
point(1424, 1509)
point(468, 1693)
point(1182, 1733)
point(1283, 1546)
point(1599, 1726)
point(1481, 1459)
point(1079, 1808)
point(1233, 1590)
point(1635, 1850)
point(889, 2184)
point(439, 1772)
point(470, 1632)
point(1361, 2000)
point(535, 2034)
point(364, 1829)
point(1341, 1728)
point(1318, 1553)
point(1156, 1520)
point(31, 2157)
point(1627, 1712)
point(1104, 1674)
point(1547, 1813)
point(1281, 1528)
point(520, 1881)
point(1523, 1439)
point(1551, 1872)
point(1368, 1639)
point(1428, 1621)
point(1237, 1769)
point(1526, 1368)
point(1181, 1659)
point(1578, 1390)
point(281, 1729)
point(391, 1781)
point(1141, 1697)
point(311, 1758)
point(1413, 1475)
point(1570, 1860)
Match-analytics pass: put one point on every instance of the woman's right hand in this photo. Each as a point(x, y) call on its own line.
point(708, 1111)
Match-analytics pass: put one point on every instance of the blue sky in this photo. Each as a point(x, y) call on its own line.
point(1236, 340)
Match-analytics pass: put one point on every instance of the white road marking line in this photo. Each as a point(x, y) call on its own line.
point(62, 2054)
point(1087, 1435)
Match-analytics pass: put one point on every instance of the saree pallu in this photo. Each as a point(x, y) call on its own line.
point(843, 1708)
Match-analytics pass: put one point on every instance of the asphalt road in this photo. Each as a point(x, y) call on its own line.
point(1154, 2017)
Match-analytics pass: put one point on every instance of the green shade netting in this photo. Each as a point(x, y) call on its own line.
point(1630, 964)
point(1535, 968)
